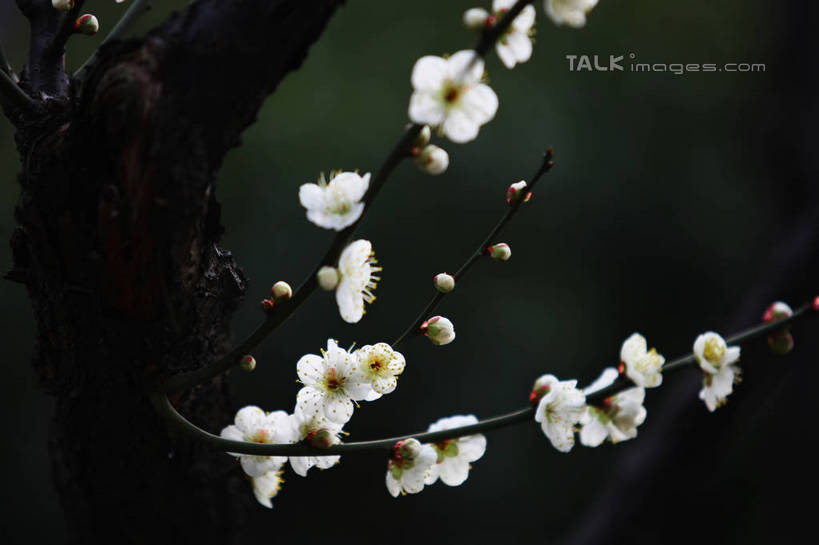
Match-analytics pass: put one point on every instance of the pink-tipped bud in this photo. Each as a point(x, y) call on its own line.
point(518, 191)
point(816, 303)
point(432, 160)
point(444, 282)
point(777, 311)
point(499, 252)
point(540, 389)
point(321, 438)
point(439, 330)
point(267, 305)
point(86, 24)
point(281, 290)
point(62, 5)
point(247, 363)
point(475, 18)
point(423, 138)
point(406, 450)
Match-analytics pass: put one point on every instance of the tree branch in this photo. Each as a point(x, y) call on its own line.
point(166, 409)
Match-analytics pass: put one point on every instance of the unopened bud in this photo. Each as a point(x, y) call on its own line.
point(321, 438)
point(816, 303)
point(267, 305)
point(408, 449)
point(62, 5)
point(780, 342)
point(518, 191)
point(327, 278)
point(777, 311)
point(475, 18)
point(423, 137)
point(248, 363)
point(439, 330)
point(540, 389)
point(86, 24)
point(499, 252)
point(433, 160)
point(281, 290)
point(444, 282)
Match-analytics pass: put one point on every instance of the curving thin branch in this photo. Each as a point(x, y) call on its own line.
point(13, 97)
point(284, 309)
point(414, 327)
point(166, 409)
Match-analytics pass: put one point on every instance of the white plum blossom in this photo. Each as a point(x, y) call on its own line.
point(716, 360)
point(357, 279)
point(379, 366)
point(449, 93)
point(454, 455)
point(515, 46)
point(617, 417)
point(568, 12)
point(255, 426)
point(266, 487)
point(643, 367)
point(337, 204)
point(559, 410)
point(410, 467)
point(315, 431)
point(330, 384)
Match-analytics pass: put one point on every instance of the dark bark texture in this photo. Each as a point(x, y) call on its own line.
point(117, 243)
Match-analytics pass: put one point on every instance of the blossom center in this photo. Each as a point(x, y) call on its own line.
point(714, 351)
point(332, 382)
point(259, 436)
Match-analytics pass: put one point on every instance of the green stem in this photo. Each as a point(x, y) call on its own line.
point(166, 409)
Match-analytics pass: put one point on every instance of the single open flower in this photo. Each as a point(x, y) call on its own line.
point(617, 417)
point(410, 467)
point(337, 204)
point(378, 365)
point(454, 455)
point(330, 386)
point(255, 426)
point(568, 12)
point(643, 367)
point(716, 360)
point(315, 431)
point(266, 487)
point(357, 272)
point(448, 93)
point(559, 410)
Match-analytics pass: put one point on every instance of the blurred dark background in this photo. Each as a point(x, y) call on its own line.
point(680, 203)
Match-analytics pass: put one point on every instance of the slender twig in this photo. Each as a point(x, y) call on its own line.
point(415, 326)
point(284, 309)
point(137, 8)
point(12, 97)
point(5, 66)
point(166, 409)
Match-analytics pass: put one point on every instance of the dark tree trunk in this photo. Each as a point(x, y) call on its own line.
point(117, 236)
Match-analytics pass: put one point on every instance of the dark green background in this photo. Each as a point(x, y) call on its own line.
point(672, 196)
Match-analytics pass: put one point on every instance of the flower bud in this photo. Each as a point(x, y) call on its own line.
point(499, 252)
point(320, 438)
point(777, 311)
point(62, 5)
point(327, 278)
point(423, 137)
point(267, 305)
point(444, 282)
point(781, 342)
point(475, 18)
point(248, 363)
point(816, 303)
point(281, 290)
point(540, 389)
point(433, 160)
point(439, 330)
point(408, 449)
point(516, 191)
point(86, 24)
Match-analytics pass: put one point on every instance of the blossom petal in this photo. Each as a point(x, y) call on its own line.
point(465, 67)
point(310, 369)
point(426, 108)
point(453, 471)
point(429, 73)
point(480, 103)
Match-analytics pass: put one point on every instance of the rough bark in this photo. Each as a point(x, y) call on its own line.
point(117, 244)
